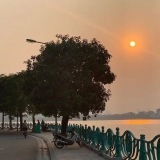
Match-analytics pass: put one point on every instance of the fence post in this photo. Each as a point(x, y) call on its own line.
point(69, 127)
point(86, 133)
point(142, 155)
point(93, 137)
point(80, 131)
point(118, 144)
point(76, 128)
point(103, 140)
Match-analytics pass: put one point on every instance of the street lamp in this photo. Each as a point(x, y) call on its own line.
point(34, 41)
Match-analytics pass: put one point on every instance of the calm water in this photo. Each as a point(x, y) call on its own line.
point(150, 128)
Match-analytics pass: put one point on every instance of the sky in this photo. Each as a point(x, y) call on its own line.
point(112, 22)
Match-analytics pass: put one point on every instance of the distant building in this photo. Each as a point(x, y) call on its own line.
point(158, 112)
point(152, 114)
point(142, 113)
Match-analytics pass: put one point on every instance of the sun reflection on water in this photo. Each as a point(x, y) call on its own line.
point(138, 121)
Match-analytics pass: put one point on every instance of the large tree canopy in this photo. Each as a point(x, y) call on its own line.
point(68, 77)
point(12, 99)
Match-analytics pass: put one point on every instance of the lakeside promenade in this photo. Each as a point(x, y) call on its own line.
point(102, 144)
point(72, 152)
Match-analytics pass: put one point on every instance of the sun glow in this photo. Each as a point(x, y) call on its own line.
point(138, 121)
point(132, 43)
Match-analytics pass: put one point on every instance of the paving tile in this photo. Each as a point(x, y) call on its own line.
point(72, 152)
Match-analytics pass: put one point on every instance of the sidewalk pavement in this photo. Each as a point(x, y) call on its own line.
point(71, 152)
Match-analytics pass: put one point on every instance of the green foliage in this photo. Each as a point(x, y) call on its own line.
point(2, 92)
point(68, 77)
point(12, 98)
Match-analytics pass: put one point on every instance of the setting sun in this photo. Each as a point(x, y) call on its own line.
point(132, 43)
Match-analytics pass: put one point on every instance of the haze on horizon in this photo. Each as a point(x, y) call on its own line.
point(115, 23)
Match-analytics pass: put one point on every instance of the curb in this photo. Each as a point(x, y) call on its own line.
point(51, 151)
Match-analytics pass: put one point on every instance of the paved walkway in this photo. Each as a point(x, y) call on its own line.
point(72, 152)
point(16, 147)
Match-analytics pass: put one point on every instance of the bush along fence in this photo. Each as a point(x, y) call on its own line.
point(125, 146)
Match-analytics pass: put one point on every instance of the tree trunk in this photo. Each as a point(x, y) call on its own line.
point(17, 120)
point(33, 120)
point(2, 120)
point(56, 124)
point(10, 122)
point(21, 121)
point(64, 123)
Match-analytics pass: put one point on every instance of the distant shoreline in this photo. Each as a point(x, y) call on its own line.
point(115, 119)
point(92, 118)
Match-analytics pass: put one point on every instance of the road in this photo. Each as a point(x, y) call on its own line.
point(13, 146)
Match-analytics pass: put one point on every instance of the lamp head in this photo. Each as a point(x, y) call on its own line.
point(31, 41)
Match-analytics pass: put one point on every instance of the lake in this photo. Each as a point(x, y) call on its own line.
point(149, 127)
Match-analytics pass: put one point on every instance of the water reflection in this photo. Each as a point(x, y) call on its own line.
point(149, 127)
point(138, 121)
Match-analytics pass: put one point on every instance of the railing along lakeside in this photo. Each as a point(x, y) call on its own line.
point(125, 146)
point(114, 145)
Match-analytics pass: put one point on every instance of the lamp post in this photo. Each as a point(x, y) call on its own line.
point(34, 41)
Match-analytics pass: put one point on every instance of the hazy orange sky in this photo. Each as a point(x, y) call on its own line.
point(113, 22)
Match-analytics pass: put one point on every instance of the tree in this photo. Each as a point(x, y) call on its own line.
point(28, 88)
point(70, 76)
point(2, 97)
point(21, 104)
point(12, 99)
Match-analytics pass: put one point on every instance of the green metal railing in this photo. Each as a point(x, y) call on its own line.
point(126, 146)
